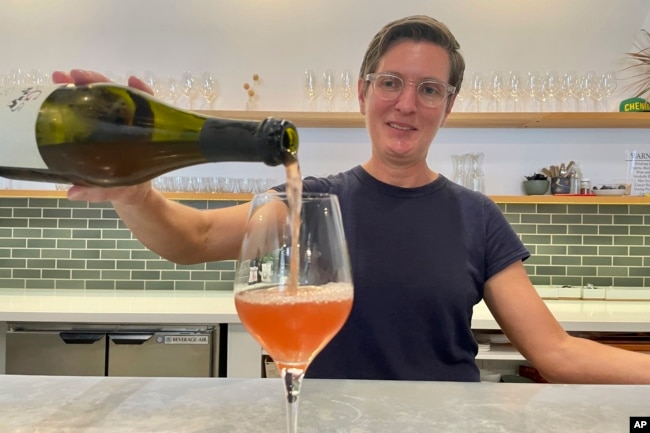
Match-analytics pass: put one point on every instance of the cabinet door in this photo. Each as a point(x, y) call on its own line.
point(160, 354)
point(56, 353)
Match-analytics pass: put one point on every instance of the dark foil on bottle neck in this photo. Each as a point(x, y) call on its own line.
point(273, 141)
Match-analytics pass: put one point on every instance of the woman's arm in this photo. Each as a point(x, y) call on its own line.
point(559, 357)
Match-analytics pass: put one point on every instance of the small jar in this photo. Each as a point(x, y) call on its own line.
point(585, 186)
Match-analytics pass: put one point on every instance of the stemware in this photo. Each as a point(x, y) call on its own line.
point(581, 92)
point(591, 90)
point(609, 85)
point(329, 88)
point(549, 89)
point(459, 100)
point(347, 88)
point(310, 87)
point(188, 87)
point(478, 92)
point(173, 90)
point(597, 92)
point(208, 90)
point(495, 87)
point(514, 91)
point(15, 77)
point(564, 92)
point(532, 89)
point(150, 80)
point(306, 294)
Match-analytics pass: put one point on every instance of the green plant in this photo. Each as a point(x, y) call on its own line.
point(536, 176)
point(641, 66)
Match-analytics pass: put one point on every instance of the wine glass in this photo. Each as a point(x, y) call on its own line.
point(306, 294)
point(532, 91)
point(208, 89)
point(495, 87)
point(188, 87)
point(514, 91)
point(310, 89)
point(347, 88)
point(478, 92)
point(150, 80)
point(173, 90)
point(609, 85)
point(550, 84)
point(597, 92)
point(581, 92)
point(564, 92)
point(329, 88)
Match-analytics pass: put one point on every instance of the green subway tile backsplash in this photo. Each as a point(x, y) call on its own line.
point(58, 244)
point(50, 243)
point(599, 244)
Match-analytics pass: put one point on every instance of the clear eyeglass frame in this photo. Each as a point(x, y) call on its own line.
point(431, 93)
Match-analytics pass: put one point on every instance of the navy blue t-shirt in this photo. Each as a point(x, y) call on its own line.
point(420, 257)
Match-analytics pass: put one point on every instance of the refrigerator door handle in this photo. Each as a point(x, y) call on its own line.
point(130, 338)
point(80, 337)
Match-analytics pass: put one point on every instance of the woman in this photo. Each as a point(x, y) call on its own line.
point(424, 250)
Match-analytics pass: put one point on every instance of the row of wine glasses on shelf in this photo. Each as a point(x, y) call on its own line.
point(188, 90)
point(19, 77)
point(329, 90)
point(548, 91)
point(213, 184)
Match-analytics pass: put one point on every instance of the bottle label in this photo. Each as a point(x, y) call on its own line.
point(19, 107)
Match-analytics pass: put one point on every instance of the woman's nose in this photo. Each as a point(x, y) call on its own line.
point(408, 99)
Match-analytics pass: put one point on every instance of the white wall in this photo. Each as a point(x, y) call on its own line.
point(279, 39)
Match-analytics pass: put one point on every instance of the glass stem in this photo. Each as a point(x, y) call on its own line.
point(292, 378)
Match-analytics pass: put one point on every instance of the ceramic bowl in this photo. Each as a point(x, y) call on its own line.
point(535, 187)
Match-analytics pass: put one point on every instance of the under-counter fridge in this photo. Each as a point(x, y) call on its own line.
point(93, 350)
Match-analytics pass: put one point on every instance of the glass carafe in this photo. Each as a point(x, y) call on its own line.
point(475, 177)
point(459, 173)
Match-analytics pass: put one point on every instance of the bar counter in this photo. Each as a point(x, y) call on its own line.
point(205, 308)
point(47, 404)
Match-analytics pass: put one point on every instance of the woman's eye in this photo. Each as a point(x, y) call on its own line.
point(430, 89)
point(389, 84)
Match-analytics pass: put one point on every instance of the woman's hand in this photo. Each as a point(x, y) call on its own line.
point(126, 195)
point(81, 77)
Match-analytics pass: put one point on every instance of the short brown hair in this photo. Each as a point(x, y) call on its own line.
point(416, 28)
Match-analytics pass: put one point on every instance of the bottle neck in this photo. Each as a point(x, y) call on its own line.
point(271, 141)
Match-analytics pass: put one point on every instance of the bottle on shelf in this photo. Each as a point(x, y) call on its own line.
point(106, 134)
point(576, 178)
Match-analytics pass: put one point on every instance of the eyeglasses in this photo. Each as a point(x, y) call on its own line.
point(431, 93)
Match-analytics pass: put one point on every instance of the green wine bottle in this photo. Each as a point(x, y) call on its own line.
point(111, 135)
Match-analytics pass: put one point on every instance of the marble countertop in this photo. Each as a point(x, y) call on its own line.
point(584, 315)
point(199, 307)
point(30, 404)
point(117, 306)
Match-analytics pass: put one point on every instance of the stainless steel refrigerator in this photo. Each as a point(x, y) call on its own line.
point(112, 350)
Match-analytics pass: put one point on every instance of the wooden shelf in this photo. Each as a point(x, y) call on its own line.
point(25, 193)
point(555, 199)
point(455, 120)
point(532, 199)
